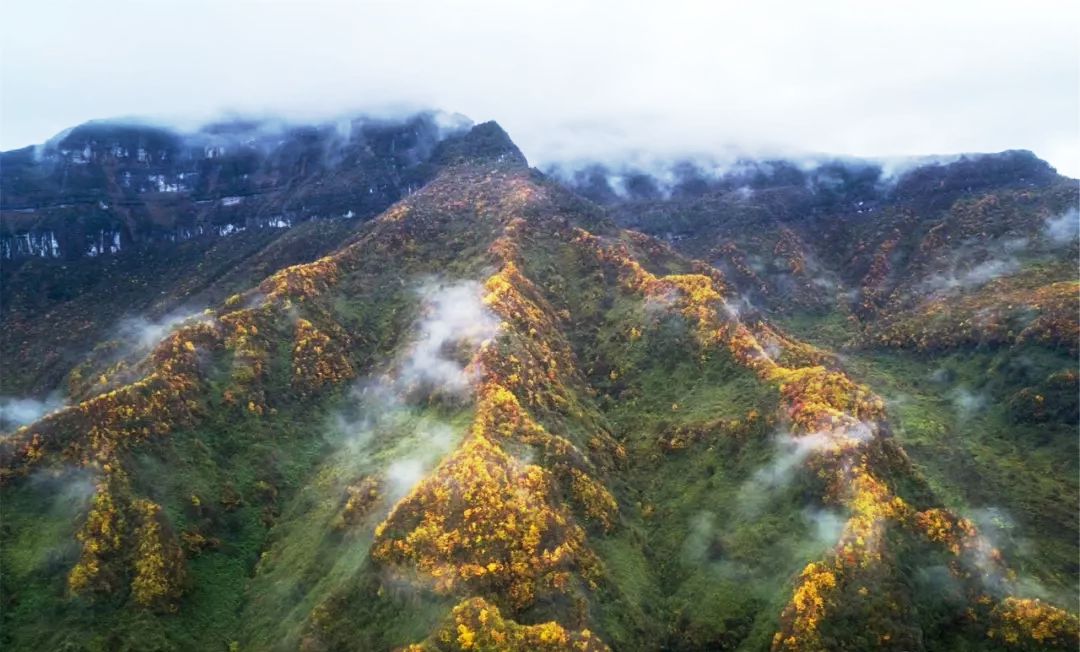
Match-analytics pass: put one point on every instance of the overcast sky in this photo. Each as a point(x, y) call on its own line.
point(571, 79)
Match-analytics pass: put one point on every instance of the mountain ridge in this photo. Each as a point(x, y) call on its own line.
point(624, 403)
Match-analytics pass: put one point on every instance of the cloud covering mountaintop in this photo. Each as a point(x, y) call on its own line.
point(605, 79)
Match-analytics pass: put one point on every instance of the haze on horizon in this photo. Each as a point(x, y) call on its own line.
point(568, 81)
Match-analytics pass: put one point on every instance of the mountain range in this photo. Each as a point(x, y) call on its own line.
point(378, 384)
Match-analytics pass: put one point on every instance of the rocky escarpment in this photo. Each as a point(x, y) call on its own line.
point(104, 187)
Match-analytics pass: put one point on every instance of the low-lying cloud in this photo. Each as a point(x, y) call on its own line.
point(816, 84)
point(404, 473)
point(789, 455)
point(967, 403)
point(791, 452)
point(1064, 228)
point(454, 323)
point(827, 525)
point(140, 334)
point(433, 365)
point(16, 412)
point(973, 265)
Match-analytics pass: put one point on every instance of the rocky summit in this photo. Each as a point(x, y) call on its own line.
point(380, 385)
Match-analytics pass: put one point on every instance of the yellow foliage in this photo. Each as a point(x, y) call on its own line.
point(476, 624)
point(361, 496)
point(597, 501)
point(301, 281)
point(317, 359)
point(159, 562)
point(101, 537)
point(482, 510)
point(808, 606)
point(1032, 624)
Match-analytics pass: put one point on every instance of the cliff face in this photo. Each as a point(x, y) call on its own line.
point(111, 219)
point(101, 187)
point(493, 417)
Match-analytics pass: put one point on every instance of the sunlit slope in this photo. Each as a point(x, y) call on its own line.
point(492, 420)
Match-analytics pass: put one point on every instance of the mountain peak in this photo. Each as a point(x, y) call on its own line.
point(486, 142)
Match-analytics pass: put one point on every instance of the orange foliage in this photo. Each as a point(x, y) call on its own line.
point(941, 526)
point(538, 367)
point(594, 498)
point(819, 399)
point(484, 521)
point(157, 565)
point(873, 290)
point(250, 348)
point(1006, 311)
point(789, 247)
point(92, 432)
point(538, 370)
point(681, 436)
point(739, 266)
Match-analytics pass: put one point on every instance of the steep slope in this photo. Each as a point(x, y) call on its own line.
point(112, 223)
point(951, 288)
point(491, 419)
point(56, 311)
point(844, 234)
point(105, 186)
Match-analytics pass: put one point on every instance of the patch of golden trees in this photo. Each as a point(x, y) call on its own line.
point(477, 625)
point(126, 541)
point(317, 360)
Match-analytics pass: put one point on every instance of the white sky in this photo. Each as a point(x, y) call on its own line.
point(571, 79)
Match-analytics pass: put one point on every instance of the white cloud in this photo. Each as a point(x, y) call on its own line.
point(1064, 228)
point(827, 525)
point(571, 79)
point(452, 325)
point(15, 411)
point(454, 314)
point(141, 334)
point(967, 403)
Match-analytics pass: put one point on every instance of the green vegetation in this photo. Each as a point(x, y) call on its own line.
point(589, 441)
point(960, 417)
